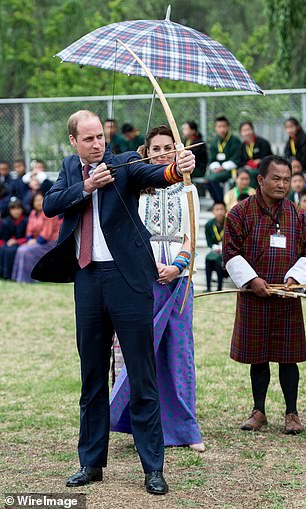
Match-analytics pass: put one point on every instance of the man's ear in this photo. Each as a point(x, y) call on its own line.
point(260, 180)
point(72, 140)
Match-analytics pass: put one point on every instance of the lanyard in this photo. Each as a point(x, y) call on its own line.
point(276, 220)
point(250, 149)
point(218, 234)
point(221, 145)
point(292, 147)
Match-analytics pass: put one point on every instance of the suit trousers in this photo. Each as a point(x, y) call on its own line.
point(104, 302)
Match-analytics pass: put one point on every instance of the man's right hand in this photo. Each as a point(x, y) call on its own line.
point(99, 178)
point(260, 287)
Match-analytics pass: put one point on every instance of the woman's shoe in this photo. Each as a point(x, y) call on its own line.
point(197, 447)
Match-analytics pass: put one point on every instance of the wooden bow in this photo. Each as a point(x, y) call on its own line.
point(186, 176)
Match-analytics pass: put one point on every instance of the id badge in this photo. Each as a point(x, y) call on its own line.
point(278, 241)
point(221, 156)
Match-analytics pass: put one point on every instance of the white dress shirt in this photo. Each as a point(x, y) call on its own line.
point(100, 251)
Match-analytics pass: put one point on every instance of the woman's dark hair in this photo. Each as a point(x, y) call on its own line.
point(246, 122)
point(163, 130)
point(293, 121)
point(241, 171)
point(192, 124)
point(34, 196)
point(265, 163)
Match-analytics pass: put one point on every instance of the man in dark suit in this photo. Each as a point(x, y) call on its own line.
point(104, 247)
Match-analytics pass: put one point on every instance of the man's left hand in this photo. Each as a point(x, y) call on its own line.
point(186, 162)
point(289, 283)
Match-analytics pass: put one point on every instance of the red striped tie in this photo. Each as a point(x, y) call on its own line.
point(86, 227)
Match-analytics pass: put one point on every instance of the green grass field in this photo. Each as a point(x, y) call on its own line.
point(40, 387)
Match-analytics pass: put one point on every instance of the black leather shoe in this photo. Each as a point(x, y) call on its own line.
point(84, 476)
point(155, 483)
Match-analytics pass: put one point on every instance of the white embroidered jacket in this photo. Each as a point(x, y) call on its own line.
point(165, 215)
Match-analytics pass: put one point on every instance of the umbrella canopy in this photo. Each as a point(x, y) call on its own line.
point(168, 49)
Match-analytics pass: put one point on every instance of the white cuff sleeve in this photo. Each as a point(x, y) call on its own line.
point(240, 271)
point(229, 165)
point(214, 165)
point(298, 271)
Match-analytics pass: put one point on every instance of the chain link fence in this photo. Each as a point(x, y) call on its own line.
point(36, 128)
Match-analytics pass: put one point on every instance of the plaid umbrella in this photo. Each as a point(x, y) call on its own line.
point(168, 49)
point(162, 49)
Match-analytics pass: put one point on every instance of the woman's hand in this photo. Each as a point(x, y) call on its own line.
point(167, 273)
point(31, 242)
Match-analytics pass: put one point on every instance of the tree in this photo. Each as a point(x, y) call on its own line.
point(287, 20)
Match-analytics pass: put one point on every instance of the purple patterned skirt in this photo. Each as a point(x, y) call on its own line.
point(173, 344)
point(25, 259)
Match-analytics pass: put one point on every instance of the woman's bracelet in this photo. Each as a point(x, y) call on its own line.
point(182, 260)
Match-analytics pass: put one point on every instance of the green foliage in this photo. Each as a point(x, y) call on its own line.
point(287, 20)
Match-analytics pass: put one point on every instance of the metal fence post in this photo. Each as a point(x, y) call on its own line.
point(110, 109)
point(303, 98)
point(203, 118)
point(27, 135)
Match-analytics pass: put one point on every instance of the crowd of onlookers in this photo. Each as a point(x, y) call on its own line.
point(233, 164)
point(226, 170)
point(25, 232)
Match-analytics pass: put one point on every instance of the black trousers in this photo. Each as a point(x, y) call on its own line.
point(104, 302)
point(210, 267)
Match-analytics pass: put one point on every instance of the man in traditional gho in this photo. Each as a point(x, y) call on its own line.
point(264, 243)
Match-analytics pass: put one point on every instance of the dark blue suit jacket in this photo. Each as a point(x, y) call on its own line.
point(126, 236)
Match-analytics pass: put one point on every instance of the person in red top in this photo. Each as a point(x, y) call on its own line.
point(253, 150)
point(41, 236)
point(12, 235)
point(295, 149)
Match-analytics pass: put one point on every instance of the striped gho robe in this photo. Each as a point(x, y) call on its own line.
point(272, 328)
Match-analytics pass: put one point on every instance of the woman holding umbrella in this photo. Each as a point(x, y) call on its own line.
point(165, 215)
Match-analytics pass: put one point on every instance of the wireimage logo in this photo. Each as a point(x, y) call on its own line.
point(45, 500)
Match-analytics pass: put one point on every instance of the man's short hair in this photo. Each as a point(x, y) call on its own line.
point(220, 202)
point(299, 174)
point(74, 119)
point(127, 128)
point(222, 118)
point(277, 160)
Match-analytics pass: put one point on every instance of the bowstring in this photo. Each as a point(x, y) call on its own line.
point(114, 83)
point(151, 111)
point(143, 239)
